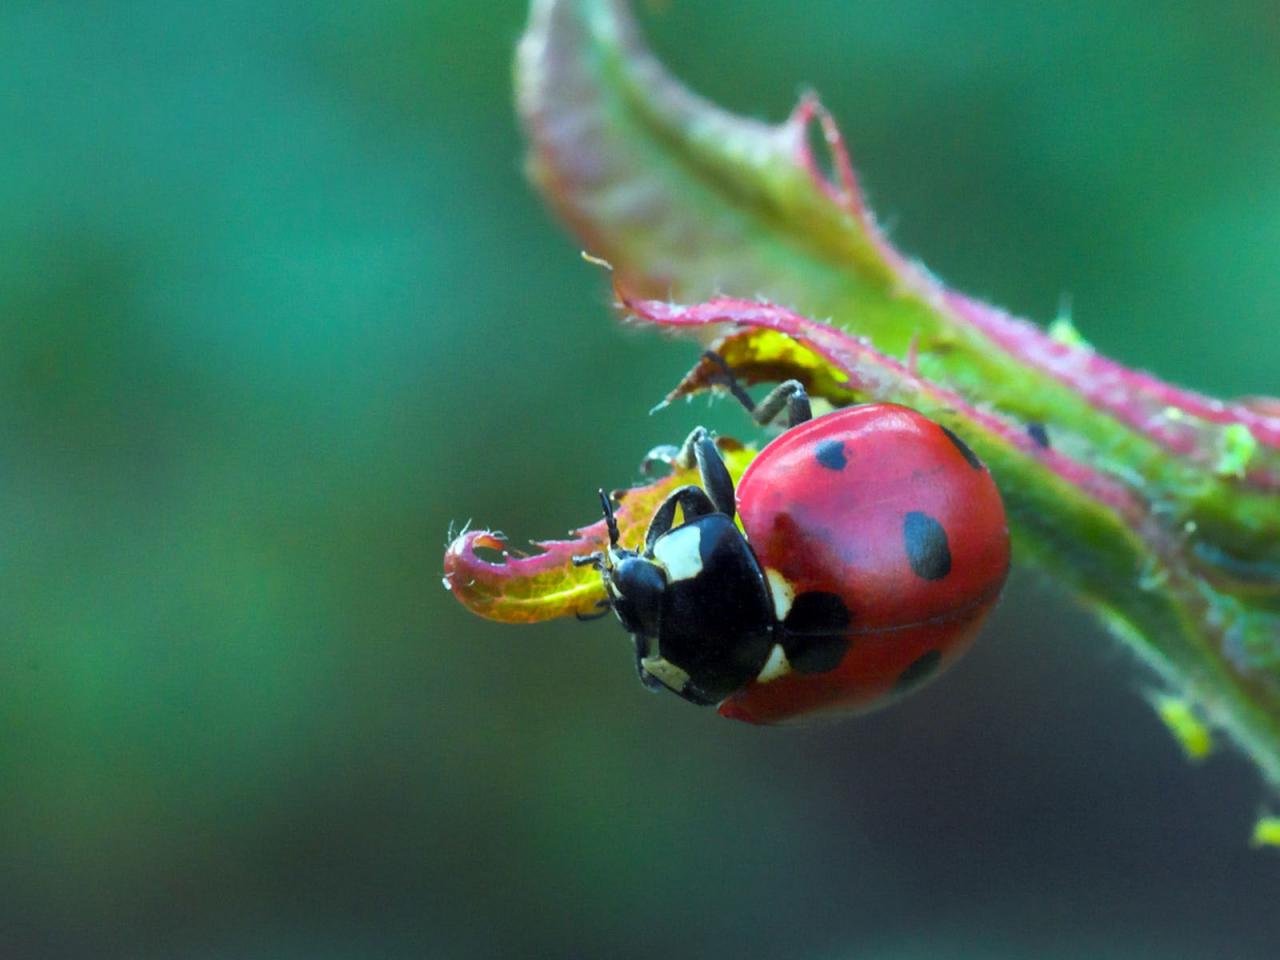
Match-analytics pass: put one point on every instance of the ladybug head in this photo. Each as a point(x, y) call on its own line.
point(634, 582)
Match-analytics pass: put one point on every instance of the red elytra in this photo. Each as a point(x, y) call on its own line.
point(894, 515)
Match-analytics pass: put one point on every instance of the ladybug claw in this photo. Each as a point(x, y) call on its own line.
point(687, 455)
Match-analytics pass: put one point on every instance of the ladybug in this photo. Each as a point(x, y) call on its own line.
point(872, 544)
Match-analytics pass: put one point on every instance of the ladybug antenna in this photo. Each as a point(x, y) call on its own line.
point(609, 518)
point(600, 558)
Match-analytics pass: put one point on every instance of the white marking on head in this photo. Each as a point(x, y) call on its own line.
point(776, 666)
point(680, 553)
point(666, 671)
point(783, 593)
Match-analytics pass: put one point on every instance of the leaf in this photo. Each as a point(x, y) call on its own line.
point(518, 588)
point(1158, 507)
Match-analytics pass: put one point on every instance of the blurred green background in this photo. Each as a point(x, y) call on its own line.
point(278, 308)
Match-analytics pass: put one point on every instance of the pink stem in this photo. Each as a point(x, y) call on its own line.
point(877, 375)
point(1137, 399)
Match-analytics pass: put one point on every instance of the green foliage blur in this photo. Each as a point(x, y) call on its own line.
point(278, 309)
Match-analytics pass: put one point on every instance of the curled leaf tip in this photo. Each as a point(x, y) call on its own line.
point(517, 588)
point(844, 189)
point(513, 587)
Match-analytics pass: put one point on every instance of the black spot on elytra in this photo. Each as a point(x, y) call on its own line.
point(963, 448)
point(927, 547)
point(830, 454)
point(921, 669)
point(815, 633)
point(815, 654)
point(1039, 435)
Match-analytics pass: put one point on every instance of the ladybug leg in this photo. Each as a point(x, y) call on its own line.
point(699, 448)
point(713, 473)
point(687, 454)
point(596, 559)
point(789, 394)
point(692, 501)
point(651, 683)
